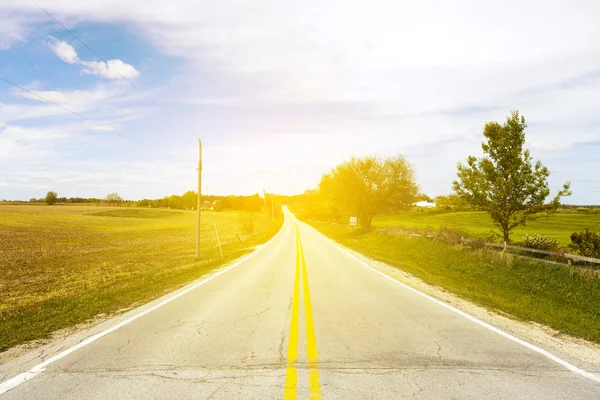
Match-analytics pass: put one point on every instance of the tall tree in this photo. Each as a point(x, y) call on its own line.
point(253, 203)
point(189, 199)
point(113, 199)
point(505, 182)
point(51, 198)
point(364, 187)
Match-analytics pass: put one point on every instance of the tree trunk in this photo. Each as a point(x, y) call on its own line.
point(365, 221)
point(506, 233)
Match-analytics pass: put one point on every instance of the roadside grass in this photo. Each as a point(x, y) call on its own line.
point(61, 266)
point(552, 295)
point(558, 226)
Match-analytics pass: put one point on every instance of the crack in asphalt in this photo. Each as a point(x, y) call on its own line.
point(178, 324)
point(118, 349)
point(414, 381)
point(256, 315)
point(283, 358)
point(199, 328)
point(439, 349)
point(276, 366)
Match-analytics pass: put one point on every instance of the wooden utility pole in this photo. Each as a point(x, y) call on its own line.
point(199, 205)
point(272, 210)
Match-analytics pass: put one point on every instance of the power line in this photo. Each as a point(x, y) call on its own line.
point(54, 166)
point(88, 119)
point(108, 65)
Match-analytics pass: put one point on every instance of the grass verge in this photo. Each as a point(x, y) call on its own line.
point(558, 226)
point(62, 266)
point(553, 295)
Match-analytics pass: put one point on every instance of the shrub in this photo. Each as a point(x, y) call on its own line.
point(539, 242)
point(489, 237)
point(586, 243)
point(247, 222)
point(451, 236)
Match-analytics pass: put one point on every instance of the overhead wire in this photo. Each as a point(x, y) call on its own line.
point(108, 65)
point(108, 128)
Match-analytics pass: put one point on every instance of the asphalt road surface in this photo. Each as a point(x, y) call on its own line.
point(300, 318)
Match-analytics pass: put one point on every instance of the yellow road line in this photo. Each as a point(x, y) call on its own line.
point(291, 373)
point(311, 338)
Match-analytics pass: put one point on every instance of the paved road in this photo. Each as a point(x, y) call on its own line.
point(303, 319)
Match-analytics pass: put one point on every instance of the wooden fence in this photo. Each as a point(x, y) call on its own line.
point(571, 258)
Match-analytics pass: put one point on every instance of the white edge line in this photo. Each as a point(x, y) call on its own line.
point(492, 328)
point(39, 368)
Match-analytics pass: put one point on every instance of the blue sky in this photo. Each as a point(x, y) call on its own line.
point(280, 92)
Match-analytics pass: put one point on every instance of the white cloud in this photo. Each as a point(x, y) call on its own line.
point(112, 69)
point(73, 99)
point(63, 50)
point(19, 143)
point(108, 103)
point(403, 73)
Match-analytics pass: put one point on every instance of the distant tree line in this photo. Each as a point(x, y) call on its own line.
point(53, 200)
point(186, 201)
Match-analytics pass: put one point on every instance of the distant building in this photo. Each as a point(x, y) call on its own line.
point(210, 205)
point(424, 203)
point(207, 205)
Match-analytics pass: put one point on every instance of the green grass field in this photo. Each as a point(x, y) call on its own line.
point(63, 265)
point(553, 295)
point(558, 226)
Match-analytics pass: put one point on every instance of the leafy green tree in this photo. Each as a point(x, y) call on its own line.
point(189, 199)
point(225, 203)
point(253, 203)
point(51, 198)
point(505, 182)
point(451, 202)
point(113, 199)
point(364, 187)
point(423, 197)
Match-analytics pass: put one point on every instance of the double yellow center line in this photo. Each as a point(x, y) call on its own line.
point(291, 374)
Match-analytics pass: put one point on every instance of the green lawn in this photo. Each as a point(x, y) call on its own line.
point(558, 226)
point(62, 265)
point(553, 295)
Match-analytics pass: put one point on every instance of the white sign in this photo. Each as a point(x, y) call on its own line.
point(352, 221)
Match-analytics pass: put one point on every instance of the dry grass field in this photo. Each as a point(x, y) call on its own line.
point(62, 265)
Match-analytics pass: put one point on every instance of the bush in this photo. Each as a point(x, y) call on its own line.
point(586, 243)
point(489, 237)
point(539, 242)
point(247, 222)
point(451, 236)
